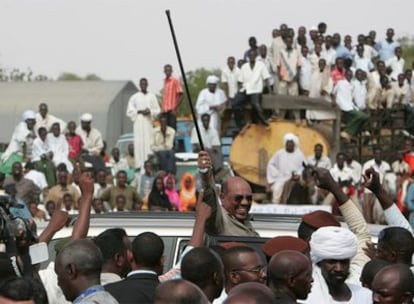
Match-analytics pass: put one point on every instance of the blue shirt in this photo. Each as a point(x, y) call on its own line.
point(385, 49)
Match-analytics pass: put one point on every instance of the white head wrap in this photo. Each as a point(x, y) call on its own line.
point(313, 28)
point(333, 243)
point(29, 114)
point(86, 117)
point(213, 79)
point(292, 137)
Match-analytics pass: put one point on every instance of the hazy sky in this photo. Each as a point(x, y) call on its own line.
point(126, 40)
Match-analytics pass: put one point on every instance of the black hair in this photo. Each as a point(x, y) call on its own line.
point(110, 242)
point(305, 231)
point(370, 270)
point(147, 249)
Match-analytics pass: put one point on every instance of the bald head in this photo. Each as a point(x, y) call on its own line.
point(78, 266)
point(179, 292)
point(290, 272)
point(393, 284)
point(250, 293)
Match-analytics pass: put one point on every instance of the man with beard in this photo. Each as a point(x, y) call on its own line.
point(332, 249)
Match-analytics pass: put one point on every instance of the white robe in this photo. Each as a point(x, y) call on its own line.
point(19, 138)
point(207, 99)
point(143, 128)
point(320, 292)
point(48, 121)
point(60, 148)
point(280, 168)
point(39, 148)
point(320, 81)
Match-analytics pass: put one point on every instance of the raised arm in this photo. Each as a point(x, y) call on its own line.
point(81, 227)
point(392, 214)
point(57, 221)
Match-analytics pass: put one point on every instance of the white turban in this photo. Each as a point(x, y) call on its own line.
point(212, 79)
point(86, 117)
point(29, 114)
point(313, 28)
point(292, 137)
point(333, 243)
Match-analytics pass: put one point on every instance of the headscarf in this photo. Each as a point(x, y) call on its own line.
point(333, 243)
point(292, 137)
point(158, 198)
point(172, 193)
point(86, 117)
point(212, 79)
point(29, 114)
point(188, 196)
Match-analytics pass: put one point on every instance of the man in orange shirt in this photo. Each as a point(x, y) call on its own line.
point(172, 96)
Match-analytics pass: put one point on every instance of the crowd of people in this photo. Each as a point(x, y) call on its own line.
point(326, 263)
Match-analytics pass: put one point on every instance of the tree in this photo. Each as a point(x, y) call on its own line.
point(407, 44)
point(196, 82)
point(68, 76)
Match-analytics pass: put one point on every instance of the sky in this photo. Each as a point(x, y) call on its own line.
point(130, 39)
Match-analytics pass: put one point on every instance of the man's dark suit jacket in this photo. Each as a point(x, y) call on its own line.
point(137, 288)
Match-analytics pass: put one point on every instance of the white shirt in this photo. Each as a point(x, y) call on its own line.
point(362, 63)
point(230, 77)
point(343, 92)
point(360, 94)
point(397, 66)
point(268, 63)
point(109, 277)
point(207, 99)
point(323, 162)
point(210, 137)
point(252, 79)
point(49, 279)
point(122, 164)
point(38, 178)
point(381, 169)
point(39, 148)
point(329, 56)
point(305, 74)
point(93, 141)
point(48, 121)
point(356, 169)
point(385, 49)
point(346, 174)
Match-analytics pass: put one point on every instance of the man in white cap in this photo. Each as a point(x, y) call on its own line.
point(92, 141)
point(284, 164)
point(332, 249)
point(21, 142)
point(211, 100)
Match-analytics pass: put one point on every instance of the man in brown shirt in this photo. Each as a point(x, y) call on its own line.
point(26, 189)
point(131, 195)
point(57, 192)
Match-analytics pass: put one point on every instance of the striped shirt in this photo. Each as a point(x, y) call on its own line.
point(171, 94)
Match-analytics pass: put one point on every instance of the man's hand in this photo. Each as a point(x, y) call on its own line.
point(86, 184)
point(204, 160)
point(203, 211)
point(58, 220)
point(324, 179)
point(372, 180)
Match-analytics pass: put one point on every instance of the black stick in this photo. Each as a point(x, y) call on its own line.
point(187, 91)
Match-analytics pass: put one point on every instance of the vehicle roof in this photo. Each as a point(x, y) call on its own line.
point(181, 224)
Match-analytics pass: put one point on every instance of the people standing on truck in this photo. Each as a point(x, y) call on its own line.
point(142, 109)
point(211, 100)
point(163, 144)
point(172, 96)
point(44, 119)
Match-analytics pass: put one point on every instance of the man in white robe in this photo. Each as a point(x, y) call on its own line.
point(321, 87)
point(211, 100)
point(142, 108)
point(44, 119)
point(59, 146)
point(332, 249)
point(22, 139)
point(283, 164)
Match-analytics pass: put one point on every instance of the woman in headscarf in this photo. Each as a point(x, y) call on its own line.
point(188, 195)
point(158, 199)
point(169, 185)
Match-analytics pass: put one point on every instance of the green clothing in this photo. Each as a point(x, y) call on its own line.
point(355, 121)
point(48, 169)
point(131, 196)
